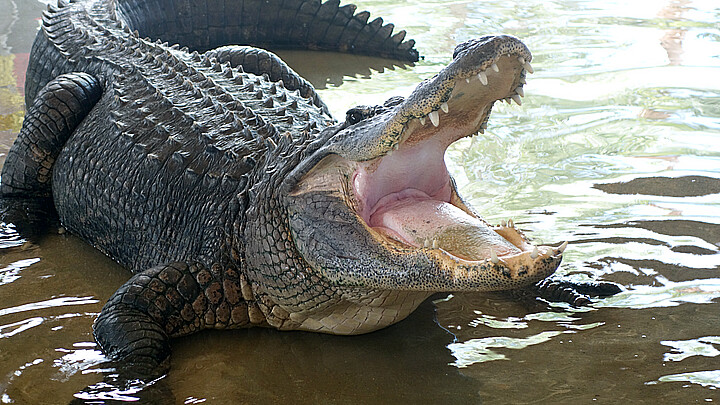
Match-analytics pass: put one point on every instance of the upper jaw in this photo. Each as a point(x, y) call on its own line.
point(459, 97)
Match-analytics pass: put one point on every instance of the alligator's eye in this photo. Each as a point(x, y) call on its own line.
point(354, 116)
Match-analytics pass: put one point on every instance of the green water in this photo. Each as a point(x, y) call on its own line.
point(615, 149)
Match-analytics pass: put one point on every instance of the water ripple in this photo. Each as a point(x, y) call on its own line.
point(11, 272)
point(51, 303)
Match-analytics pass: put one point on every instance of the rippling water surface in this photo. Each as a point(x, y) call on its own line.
point(615, 149)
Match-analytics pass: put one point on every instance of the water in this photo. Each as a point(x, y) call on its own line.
point(616, 149)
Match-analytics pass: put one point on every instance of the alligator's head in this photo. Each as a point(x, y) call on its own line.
point(375, 209)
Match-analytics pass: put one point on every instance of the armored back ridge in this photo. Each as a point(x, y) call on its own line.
point(217, 175)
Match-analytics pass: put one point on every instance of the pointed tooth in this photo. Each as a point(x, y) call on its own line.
point(483, 78)
point(494, 67)
point(397, 146)
point(389, 153)
point(511, 224)
point(503, 223)
point(523, 81)
point(521, 60)
point(435, 118)
point(435, 243)
point(427, 243)
point(445, 107)
point(516, 99)
point(493, 256)
point(535, 253)
point(467, 80)
point(528, 67)
point(481, 131)
point(562, 247)
point(422, 120)
point(520, 91)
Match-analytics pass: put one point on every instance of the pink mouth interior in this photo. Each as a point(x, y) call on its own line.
point(407, 196)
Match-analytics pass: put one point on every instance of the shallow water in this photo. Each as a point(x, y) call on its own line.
point(616, 149)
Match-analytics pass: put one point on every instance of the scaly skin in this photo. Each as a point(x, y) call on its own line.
point(221, 180)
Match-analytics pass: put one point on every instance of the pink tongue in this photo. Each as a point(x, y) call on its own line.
point(414, 218)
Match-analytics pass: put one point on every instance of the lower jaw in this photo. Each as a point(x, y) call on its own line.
point(413, 218)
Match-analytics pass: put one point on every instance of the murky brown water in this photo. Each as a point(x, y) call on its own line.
point(615, 149)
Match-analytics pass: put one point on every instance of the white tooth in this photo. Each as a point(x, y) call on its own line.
point(521, 60)
point(493, 256)
point(422, 120)
point(523, 81)
point(511, 224)
point(427, 242)
point(397, 146)
point(503, 223)
point(535, 253)
point(435, 118)
point(520, 91)
point(528, 67)
point(467, 80)
point(517, 99)
point(483, 78)
point(481, 131)
point(495, 67)
point(562, 247)
point(435, 244)
point(389, 153)
point(445, 107)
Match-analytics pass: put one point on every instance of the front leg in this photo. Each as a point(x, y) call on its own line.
point(573, 292)
point(135, 325)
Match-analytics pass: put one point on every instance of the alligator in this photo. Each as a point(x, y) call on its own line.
point(216, 174)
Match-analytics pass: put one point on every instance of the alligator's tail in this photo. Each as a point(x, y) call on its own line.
point(207, 24)
point(272, 24)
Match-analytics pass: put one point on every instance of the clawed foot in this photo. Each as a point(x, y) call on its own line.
point(574, 293)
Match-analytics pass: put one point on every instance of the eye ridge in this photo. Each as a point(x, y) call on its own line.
point(354, 117)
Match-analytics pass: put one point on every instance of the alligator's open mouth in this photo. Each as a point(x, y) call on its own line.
point(399, 188)
point(407, 195)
